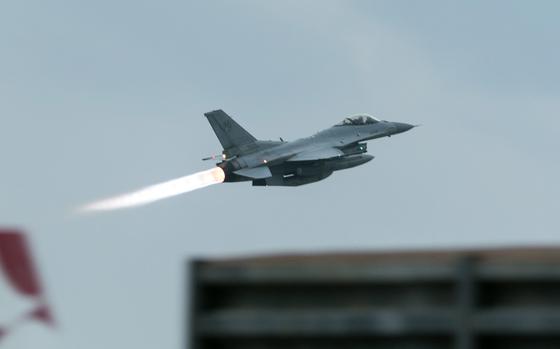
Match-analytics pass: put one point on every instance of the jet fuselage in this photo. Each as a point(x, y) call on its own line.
point(305, 160)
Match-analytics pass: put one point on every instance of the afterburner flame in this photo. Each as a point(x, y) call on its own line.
point(159, 191)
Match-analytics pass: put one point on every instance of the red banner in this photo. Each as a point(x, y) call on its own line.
point(16, 264)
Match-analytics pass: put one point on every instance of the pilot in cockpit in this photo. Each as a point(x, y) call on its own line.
point(362, 119)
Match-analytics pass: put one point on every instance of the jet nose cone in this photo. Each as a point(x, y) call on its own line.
point(402, 127)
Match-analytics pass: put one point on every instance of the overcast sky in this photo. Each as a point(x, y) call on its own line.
point(102, 97)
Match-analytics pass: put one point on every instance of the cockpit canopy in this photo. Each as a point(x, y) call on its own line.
point(362, 119)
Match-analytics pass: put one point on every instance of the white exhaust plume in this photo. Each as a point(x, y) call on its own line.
point(158, 191)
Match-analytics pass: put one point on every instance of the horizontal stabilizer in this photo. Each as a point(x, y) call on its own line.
point(255, 172)
point(319, 154)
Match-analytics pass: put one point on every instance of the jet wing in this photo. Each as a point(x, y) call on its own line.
point(255, 172)
point(318, 154)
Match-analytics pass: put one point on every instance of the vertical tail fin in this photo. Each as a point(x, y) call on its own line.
point(230, 134)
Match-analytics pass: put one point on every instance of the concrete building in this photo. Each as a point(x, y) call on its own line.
point(418, 300)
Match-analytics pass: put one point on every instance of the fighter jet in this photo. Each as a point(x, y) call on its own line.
point(304, 161)
point(268, 163)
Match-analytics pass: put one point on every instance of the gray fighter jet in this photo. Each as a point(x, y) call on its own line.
point(306, 160)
